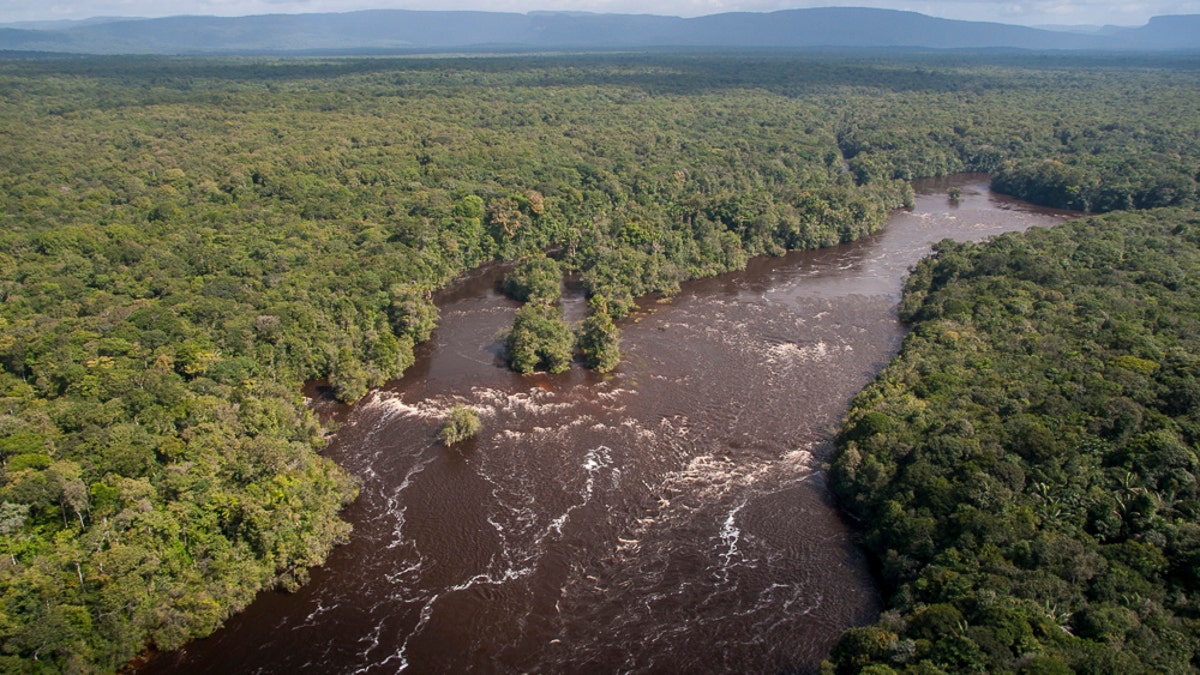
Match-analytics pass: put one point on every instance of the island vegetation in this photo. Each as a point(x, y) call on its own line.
point(185, 242)
point(461, 424)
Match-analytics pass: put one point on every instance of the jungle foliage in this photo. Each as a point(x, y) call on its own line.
point(461, 424)
point(1028, 469)
point(184, 242)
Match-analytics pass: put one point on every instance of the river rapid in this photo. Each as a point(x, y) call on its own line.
point(672, 517)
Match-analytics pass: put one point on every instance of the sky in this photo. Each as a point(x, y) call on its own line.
point(1024, 12)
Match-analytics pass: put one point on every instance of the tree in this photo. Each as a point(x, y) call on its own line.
point(539, 339)
point(534, 280)
point(12, 519)
point(412, 313)
point(461, 424)
point(599, 338)
point(349, 378)
point(1029, 532)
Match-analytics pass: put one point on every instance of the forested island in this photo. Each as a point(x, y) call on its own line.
point(186, 242)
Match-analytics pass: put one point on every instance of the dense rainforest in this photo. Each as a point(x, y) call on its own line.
point(1026, 469)
point(185, 242)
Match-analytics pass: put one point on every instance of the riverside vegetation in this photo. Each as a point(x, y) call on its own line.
point(184, 242)
point(1026, 469)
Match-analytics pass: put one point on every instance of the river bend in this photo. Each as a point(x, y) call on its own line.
point(672, 517)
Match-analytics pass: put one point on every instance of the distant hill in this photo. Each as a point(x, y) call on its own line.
point(860, 27)
point(63, 24)
point(403, 30)
point(1163, 32)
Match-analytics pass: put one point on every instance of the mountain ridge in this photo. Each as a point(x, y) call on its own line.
point(415, 30)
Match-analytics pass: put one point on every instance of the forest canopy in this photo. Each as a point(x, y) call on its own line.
point(185, 242)
point(1028, 469)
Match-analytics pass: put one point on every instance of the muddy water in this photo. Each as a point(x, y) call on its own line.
point(672, 517)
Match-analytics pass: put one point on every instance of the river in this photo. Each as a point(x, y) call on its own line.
point(671, 517)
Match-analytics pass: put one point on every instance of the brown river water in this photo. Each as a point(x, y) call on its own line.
point(670, 518)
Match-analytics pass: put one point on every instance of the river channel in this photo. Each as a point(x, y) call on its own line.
point(672, 517)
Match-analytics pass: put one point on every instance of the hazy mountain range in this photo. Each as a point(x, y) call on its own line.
point(403, 30)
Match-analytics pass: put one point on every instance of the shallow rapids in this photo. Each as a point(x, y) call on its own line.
point(672, 517)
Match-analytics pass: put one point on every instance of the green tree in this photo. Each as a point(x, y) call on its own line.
point(349, 378)
point(12, 521)
point(599, 338)
point(461, 424)
point(540, 340)
point(535, 279)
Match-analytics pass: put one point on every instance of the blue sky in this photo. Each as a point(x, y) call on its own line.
point(1025, 12)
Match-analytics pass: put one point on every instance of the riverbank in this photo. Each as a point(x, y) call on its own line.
point(674, 512)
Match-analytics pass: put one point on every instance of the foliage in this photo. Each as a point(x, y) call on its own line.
point(540, 340)
point(535, 279)
point(1028, 469)
point(1075, 135)
point(461, 424)
point(599, 337)
point(1109, 181)
point(183, 242)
